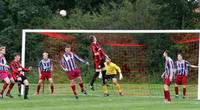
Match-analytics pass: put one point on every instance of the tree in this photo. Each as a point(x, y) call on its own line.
point(177, 14)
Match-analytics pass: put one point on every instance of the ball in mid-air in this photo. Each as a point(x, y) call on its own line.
point(63, 13)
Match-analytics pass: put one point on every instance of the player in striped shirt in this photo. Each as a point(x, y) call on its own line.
point(167, 76)
point(45, 70)
point(18, 74)
point(98, 56)
point(68, 63)
point(4, 73)
point(182, 68)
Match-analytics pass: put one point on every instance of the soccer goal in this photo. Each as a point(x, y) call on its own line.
point(137, 52)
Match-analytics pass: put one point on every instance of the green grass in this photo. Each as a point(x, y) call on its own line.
point(137, 97)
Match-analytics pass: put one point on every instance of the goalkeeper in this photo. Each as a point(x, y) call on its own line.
point(112, 70)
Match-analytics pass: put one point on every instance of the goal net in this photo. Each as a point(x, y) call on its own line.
point(138, 53)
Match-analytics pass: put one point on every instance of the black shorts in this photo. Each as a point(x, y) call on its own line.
point(110, 77)
point(23, 79)
point(99, 65)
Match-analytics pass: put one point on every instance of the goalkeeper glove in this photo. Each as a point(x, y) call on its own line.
point(120, 76)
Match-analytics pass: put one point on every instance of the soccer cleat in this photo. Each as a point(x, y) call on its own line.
point(84, 92)
point(52, 94)
point(9, 95)
point(92, 87)
point(177, 96)
point(37, 94)
point(25, 97)
point(167, 102)
point(19, 95)
point(76, 97)
point(106, 94)
point(121, 94)
point(184, 97)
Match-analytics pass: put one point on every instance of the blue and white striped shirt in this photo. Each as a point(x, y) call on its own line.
point(68, 61)
point(2, 63)
point(182, 67)
point(45, 65)
point(169, 68)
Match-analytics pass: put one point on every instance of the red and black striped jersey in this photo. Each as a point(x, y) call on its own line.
point(14, 67)
point(97, 51)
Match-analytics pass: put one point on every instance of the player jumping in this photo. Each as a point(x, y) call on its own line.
point(18, 74)
point(69, 66)
point(4, 74)
point(45, 70)
point(167, 76)
point(182, 67)
point(111, 74)
point(98, 55)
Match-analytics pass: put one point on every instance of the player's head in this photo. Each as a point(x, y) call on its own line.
point(68, 48)
point(92, 38)
point(179, 56)
point(2, 50)
point(17, 56)
point(45, 55)
point(166, 53)
point(108, 60)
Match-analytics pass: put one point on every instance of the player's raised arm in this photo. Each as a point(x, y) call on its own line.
point(80, 59)
point(189, 64)
point(194, 66)
point(26, 69)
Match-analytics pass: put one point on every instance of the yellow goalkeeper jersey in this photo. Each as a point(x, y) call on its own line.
point(112, 69)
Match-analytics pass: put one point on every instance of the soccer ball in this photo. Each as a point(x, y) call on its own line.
point(63, 13)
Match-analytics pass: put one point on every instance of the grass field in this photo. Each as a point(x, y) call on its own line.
point(137, 97)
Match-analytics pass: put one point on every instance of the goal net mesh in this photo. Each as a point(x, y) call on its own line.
point(138, 55)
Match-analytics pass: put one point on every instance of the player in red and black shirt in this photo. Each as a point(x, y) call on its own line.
point(18, 74)
point(98, 55)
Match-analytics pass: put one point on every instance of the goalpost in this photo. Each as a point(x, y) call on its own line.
point(25, 31)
